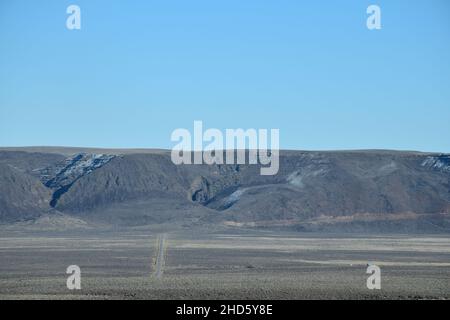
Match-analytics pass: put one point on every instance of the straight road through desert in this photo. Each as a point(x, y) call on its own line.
point(159, 265)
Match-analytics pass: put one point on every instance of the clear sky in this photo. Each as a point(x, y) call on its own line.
point(137, 70)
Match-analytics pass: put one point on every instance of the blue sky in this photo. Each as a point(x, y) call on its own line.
point(137, 70)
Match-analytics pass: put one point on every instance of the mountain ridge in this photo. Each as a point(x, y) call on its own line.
point(313, 189)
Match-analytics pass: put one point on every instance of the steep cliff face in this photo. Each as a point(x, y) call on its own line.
point(59, 177)
point(310, 189)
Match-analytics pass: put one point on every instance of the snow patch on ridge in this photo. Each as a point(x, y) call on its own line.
point(441, 163)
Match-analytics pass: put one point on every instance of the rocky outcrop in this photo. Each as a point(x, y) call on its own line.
point(200, 190)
